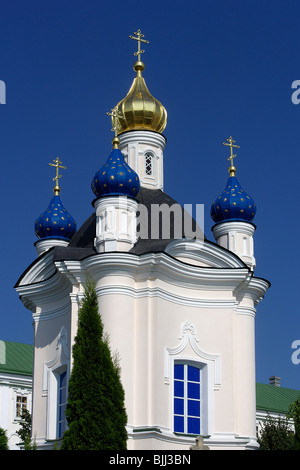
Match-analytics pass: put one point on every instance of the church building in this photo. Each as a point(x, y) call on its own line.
point(179, 309)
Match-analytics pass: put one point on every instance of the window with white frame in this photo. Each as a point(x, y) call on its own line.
point(61, 403)
point(21, 404)
point(149, 164)
point(187, 398)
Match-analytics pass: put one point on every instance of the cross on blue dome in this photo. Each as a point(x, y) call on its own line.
point(115, 178)
point(55, 222)
point(233, 203)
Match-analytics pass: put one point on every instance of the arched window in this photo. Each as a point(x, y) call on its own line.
point(149, 164)
point(187, 398)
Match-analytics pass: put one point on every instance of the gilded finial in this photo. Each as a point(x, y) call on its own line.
point(231, 143)
point(57, 164)
point(139, 65)
point(115, 116)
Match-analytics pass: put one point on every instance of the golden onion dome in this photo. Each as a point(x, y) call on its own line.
point(139, 109)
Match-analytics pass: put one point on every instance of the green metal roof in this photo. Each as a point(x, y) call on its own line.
point(277, 399)
point(16, 358)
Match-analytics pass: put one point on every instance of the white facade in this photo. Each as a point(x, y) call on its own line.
point(179, 312)
point(159, 309)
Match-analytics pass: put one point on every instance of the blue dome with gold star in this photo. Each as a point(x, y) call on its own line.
point(55, 222)
point(116, 178)
point(233, 204)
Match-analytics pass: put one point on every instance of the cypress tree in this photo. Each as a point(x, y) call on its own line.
point(95, 409)
point(3, 439)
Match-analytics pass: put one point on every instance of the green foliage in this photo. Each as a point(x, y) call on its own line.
point(24, 432)
point(95, 410)
point(3, 440)
point(275, 435)
point(294, 413)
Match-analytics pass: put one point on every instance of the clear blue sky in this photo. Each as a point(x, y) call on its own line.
point(220, 68)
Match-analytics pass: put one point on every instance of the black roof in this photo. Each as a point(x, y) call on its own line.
point(82, 243)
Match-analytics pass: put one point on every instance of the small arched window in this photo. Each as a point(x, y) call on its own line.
point(149, 164)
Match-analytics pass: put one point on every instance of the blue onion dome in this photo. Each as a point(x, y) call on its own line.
point(55, 222)
point(233, 203)
point(116, 178)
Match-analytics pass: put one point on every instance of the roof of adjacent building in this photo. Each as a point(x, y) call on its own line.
point(275, 399)
point(16, 358)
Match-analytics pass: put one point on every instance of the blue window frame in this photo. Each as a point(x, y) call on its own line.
point(187, 391)
point(62, 403)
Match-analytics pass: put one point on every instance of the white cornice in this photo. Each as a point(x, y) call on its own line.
point(160, 265)
point(41, 269)
point(138, 268)
point(143, 137)
point(153, 265)
point(233, 226)
point(54, 289)
point(204, 252)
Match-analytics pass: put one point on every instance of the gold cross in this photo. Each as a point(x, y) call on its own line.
point(232, 156)
point(115, 116)
point(139, 40)
point(57, 165)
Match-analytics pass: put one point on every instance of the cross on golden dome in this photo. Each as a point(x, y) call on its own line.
point(139, 39)
point(115, 116)
point(139, 109)
point(230, 144)
point(57, 164)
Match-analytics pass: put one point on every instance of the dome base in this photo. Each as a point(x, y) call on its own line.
point(237, 237)
point(47, 243)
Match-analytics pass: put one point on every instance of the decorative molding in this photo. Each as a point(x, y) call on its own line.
point(186, 328)
point(142, 137)
point(162, 266)
point(246, 310)
point(61, 357)
point(40, 270)
point(52, 369)
point(47, 243)
point(151, 292)
point(223, 228)
point(188, 336)
point(201, 251)
point(54, 313)
point(62, 342)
